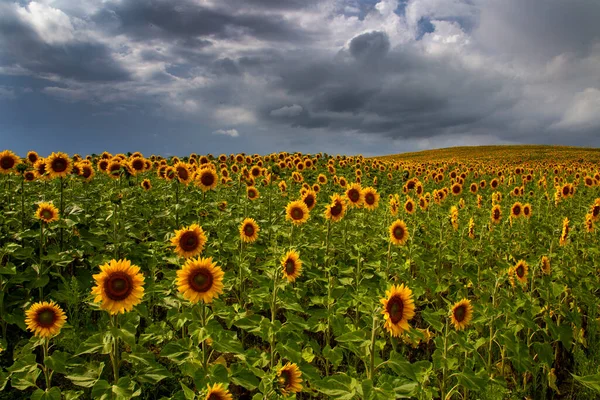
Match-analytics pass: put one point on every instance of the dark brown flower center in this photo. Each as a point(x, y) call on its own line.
point(526, 210)
point(248, 230)
point(409, 207)
point(336, 209)
point(309, 200)
point(138, 164)
point(596, 211)
point(59, 164)
point(201, 280)
point(370, 198)
point(496, 213)
point(46, 317)
point(215, 396)
point(290, 266)
point(353, 195)
point(460, 313)
point(183, 173)
point(456, 189)
point(118, 286)
point(251, 193)
point(29, 176)
point(32, 158)
point(517, 209)
point(189, 241)
point(520, 271)
point(207, 179)
point(297, 213)
point(398, 232)
point(47, 214)
point(103, 165)
point(7, 162)
point(395, 308)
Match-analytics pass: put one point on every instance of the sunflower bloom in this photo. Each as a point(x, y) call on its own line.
point(206, 179)
point(370, 198)
point(565, 232)
point(190, 241)
point(292, 265)
point(45, 319)
point(146, 184)
point(310, 199)
point(8, 161)
point(521, 270)
point(355, 195)
point(119, 286)
point(249, 230)
point(461, 314)
point(471, 228)
point(336, 210)
point(59, 165)
point(200, 279)
point(289, 379)
point(546, 265)
point(398, 309)
point(47, 212)
point(297, 212)
point(516, 210)
point(398, 232)
point(217, 392)
point(496, 214)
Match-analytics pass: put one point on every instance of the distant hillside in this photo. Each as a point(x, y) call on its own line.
point(509, 153)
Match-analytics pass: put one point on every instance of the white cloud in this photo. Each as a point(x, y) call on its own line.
point(228, 132)
point(583, 111)
point(70, 95)
point(287, 111)
point(51, 24)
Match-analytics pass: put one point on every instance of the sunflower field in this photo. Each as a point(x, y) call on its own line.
point(454, 274)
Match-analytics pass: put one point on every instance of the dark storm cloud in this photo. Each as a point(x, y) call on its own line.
point(78, 60)
point(162, 19)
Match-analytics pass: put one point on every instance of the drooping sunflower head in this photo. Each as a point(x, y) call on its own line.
point(398, 309)
point(200, 279)
point(8, 161)
point(521, 270)
point(249, 230)
point(546, 265)
point(461, 314)
point(207, 179)
point(370, 198)
point(336, 209)
point(398, 232)
point(119, 286)
point(310, 199)
point(45, 319)
point(292, 265)
point(217, 392)
point(190, 241)
point(565, 232)
point(47, 212)
point(146, 184)
point(297, 212)
point(355, 195)
point(496, 214)
point(289, 379)
point(59, 165)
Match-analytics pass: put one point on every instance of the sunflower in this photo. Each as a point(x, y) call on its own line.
point(456, 189)
point(217, 392)
point(370, 198)
point(527, 210)
point(207, 179)
point(183, 173)
point(200, 279)
point(119, 286)
point(595, 210)
point(8, 160)
point(282, 186)
point(398, 309)
point(252, 193)
point(516, 210)
point(394, 205)
point(137, 165)
point(29, 176)
point(336, 210)
point(47, 212)
point(565, 232)
point(398, 232)
point(87, 172)
point(355, 195)
point(454, 217)
point(222, 206)
point(249, 230)
point(32, 157)
point(409, 206)
point(289, 379)
point(146, 184)
point(45, 319)
point(59, 165)
point(471, 228)
point(114, 169)
point(545, 265)
point(496, 214)
point(322, 179)
point(310, 199)
point(461, 314)
point(521, 270)
point(292, 265)
point(190, 241)
point(297, 212)
point(473, 188)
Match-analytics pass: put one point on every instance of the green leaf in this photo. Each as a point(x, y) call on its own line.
point(52, 394)
point(589, 381)
point(86, 375)
point(57, 362)
point(471, 381)
point(339, 386)
point(99, 343)
point(335, 355)
point(188, 393)
point(177, 351)
point(433, 319)
point(245, 378)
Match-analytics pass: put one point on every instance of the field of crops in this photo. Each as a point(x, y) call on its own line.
point(451, 274)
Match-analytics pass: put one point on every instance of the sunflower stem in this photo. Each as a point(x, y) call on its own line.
point(444, 368)
point(62, 211)
point(273, 313)
point(22, 203)
point(328, 274)
point(114, 354)
point(176, 204)
point(204, 359)
point(41, 288)
point(372, 355)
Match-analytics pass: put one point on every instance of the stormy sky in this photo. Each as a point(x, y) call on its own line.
point(257, 76)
